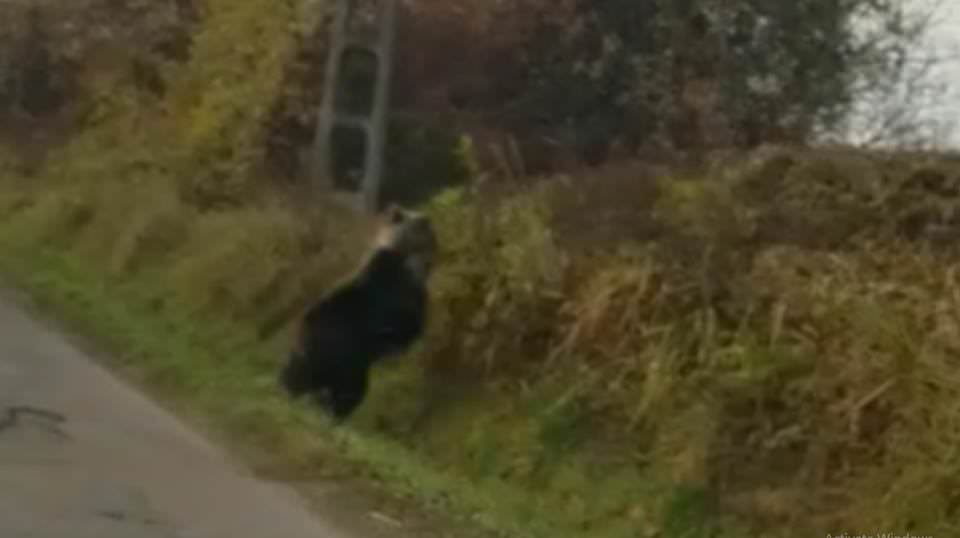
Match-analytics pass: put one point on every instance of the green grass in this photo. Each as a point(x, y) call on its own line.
point(558, 393)
point(221, 380)
point(209, 374)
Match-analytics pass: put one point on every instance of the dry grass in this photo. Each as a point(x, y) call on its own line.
point(778, 335)
point(799, 382)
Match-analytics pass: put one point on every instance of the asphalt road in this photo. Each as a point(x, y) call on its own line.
point(84, 456)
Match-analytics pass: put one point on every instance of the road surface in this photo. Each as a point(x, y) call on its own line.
point(84, 456)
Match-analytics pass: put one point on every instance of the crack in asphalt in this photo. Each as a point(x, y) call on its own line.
point(51, 420)
point(131, 518)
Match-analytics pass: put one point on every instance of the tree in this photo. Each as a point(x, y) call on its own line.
point(698, 74)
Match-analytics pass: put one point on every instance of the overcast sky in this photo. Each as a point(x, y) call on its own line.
point(945, 39)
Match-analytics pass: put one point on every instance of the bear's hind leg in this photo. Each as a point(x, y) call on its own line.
point(348, 393)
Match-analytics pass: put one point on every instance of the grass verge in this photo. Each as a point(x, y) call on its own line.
point(206, 371)
point(499, 464)
point(179, 359)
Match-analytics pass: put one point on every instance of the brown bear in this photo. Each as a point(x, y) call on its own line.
point(379, 310)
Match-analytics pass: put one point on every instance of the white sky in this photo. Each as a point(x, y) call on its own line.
point(945, 40)
point(937, 110)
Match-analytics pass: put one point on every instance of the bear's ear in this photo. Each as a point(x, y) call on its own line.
point(394, 214)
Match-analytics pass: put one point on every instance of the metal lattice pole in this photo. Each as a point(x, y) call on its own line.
point(373, 124)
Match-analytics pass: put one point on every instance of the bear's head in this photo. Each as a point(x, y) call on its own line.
point(411, 233)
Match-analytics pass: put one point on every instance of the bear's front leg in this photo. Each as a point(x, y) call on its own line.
point(299, 376)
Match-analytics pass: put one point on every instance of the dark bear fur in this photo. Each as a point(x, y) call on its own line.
point(379, 311)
